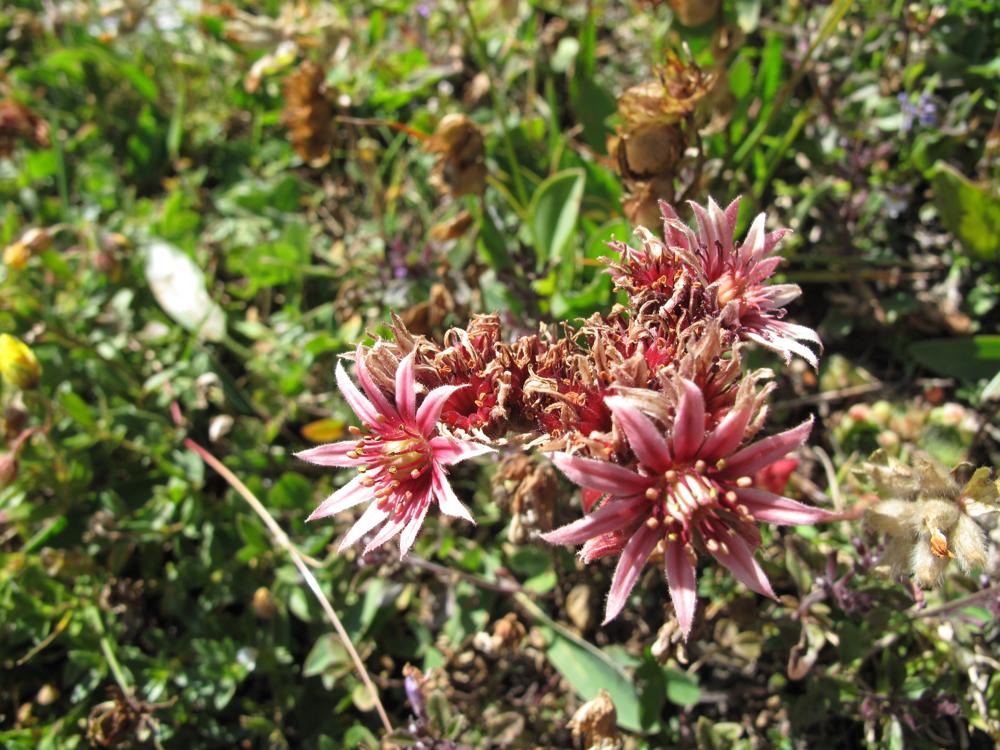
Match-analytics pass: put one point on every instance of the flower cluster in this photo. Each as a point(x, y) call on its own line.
point(646, 408)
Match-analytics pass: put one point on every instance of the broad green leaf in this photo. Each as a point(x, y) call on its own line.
point(969, 211)
point(588, 670)
point(969, 358)
point(554, 211)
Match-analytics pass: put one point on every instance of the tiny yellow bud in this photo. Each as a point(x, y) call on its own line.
point(18, 364)
point(16, 256)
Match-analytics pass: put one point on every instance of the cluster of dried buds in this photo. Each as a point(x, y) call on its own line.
point(647, 409)
point(658, 124)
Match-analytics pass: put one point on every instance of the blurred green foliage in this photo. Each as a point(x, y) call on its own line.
point(869, 128)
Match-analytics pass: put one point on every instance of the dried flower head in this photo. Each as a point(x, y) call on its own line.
point(929, 516)
point(461, 165)
point(308, 114)
point(17, 121)
point(400, 454)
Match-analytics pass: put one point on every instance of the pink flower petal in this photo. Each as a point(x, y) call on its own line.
point(604, 545)
point(754, 245)
point(387, 532)
point(433, 403)
point(612, 516)
point(448, 501)
point(331, 454)
point(681, 582)
point(371, 518)
point(645, 439)
point(590, 498)
point(406, 389)
point(361, 405)
point(739, 558)
point(412, 527)
point(602, 476)
point(756, 456)
point(348, 496)
point(630, 564)
point(374, 392)
point(727, 435)
point(689, 426)
point(770, 508)
point(449, 450)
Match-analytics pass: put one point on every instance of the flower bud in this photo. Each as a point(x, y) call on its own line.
point(18, 364)
point(8, 468)
point(263, 603)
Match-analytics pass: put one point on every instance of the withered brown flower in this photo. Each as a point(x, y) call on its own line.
point(308, 114)
point(17, 121)
point(461, 165)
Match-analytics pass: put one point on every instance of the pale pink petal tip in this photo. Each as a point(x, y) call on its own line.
point(630, 565)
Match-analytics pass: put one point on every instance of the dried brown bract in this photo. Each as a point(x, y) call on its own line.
point(528, 490)
point(595, 724)
point(461, 165)
point(17, 121)
point(308, 114)
point(694, 12)
point(657, 126)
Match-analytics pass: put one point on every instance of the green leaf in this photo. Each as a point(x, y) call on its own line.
point(491, 243)
point(971, 358)
point(682, 689)
point(969, 211)
point(554, 211)
point(588, 670)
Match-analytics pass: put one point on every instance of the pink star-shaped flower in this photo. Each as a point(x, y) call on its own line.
point(400, 455)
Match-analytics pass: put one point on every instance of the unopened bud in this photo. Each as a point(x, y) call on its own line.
point(263, 603)
point(8, 468)
point(18, 364)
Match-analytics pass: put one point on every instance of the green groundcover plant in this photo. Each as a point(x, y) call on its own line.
point(465, 374)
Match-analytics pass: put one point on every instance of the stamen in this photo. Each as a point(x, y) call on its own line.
point(720, 464)
point(653, 522)
point(699, 466)
point(744, 482)
point(355, 430)
point(670, 475)
point(652, 493)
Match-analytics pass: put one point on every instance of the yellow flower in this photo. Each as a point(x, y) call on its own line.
point(16, 255)
point(18, 364)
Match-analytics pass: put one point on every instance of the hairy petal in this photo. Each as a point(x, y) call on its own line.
point(770, 508)
point(689, 427)
point(681, 582)
point(727, 435)
point(387, 532)
point(449, 450)
point(374, 392)
point(612, 516)
point(447, 499)
point(430, 410)
point(756, 456)
point(355, 399)
point(406, 389)
point(371, 518)
point(331, 454)
point(602, 476)
point(646, 440)
point(412, 527)
point(738, 557)
point(348, 496)
point(630, 564)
